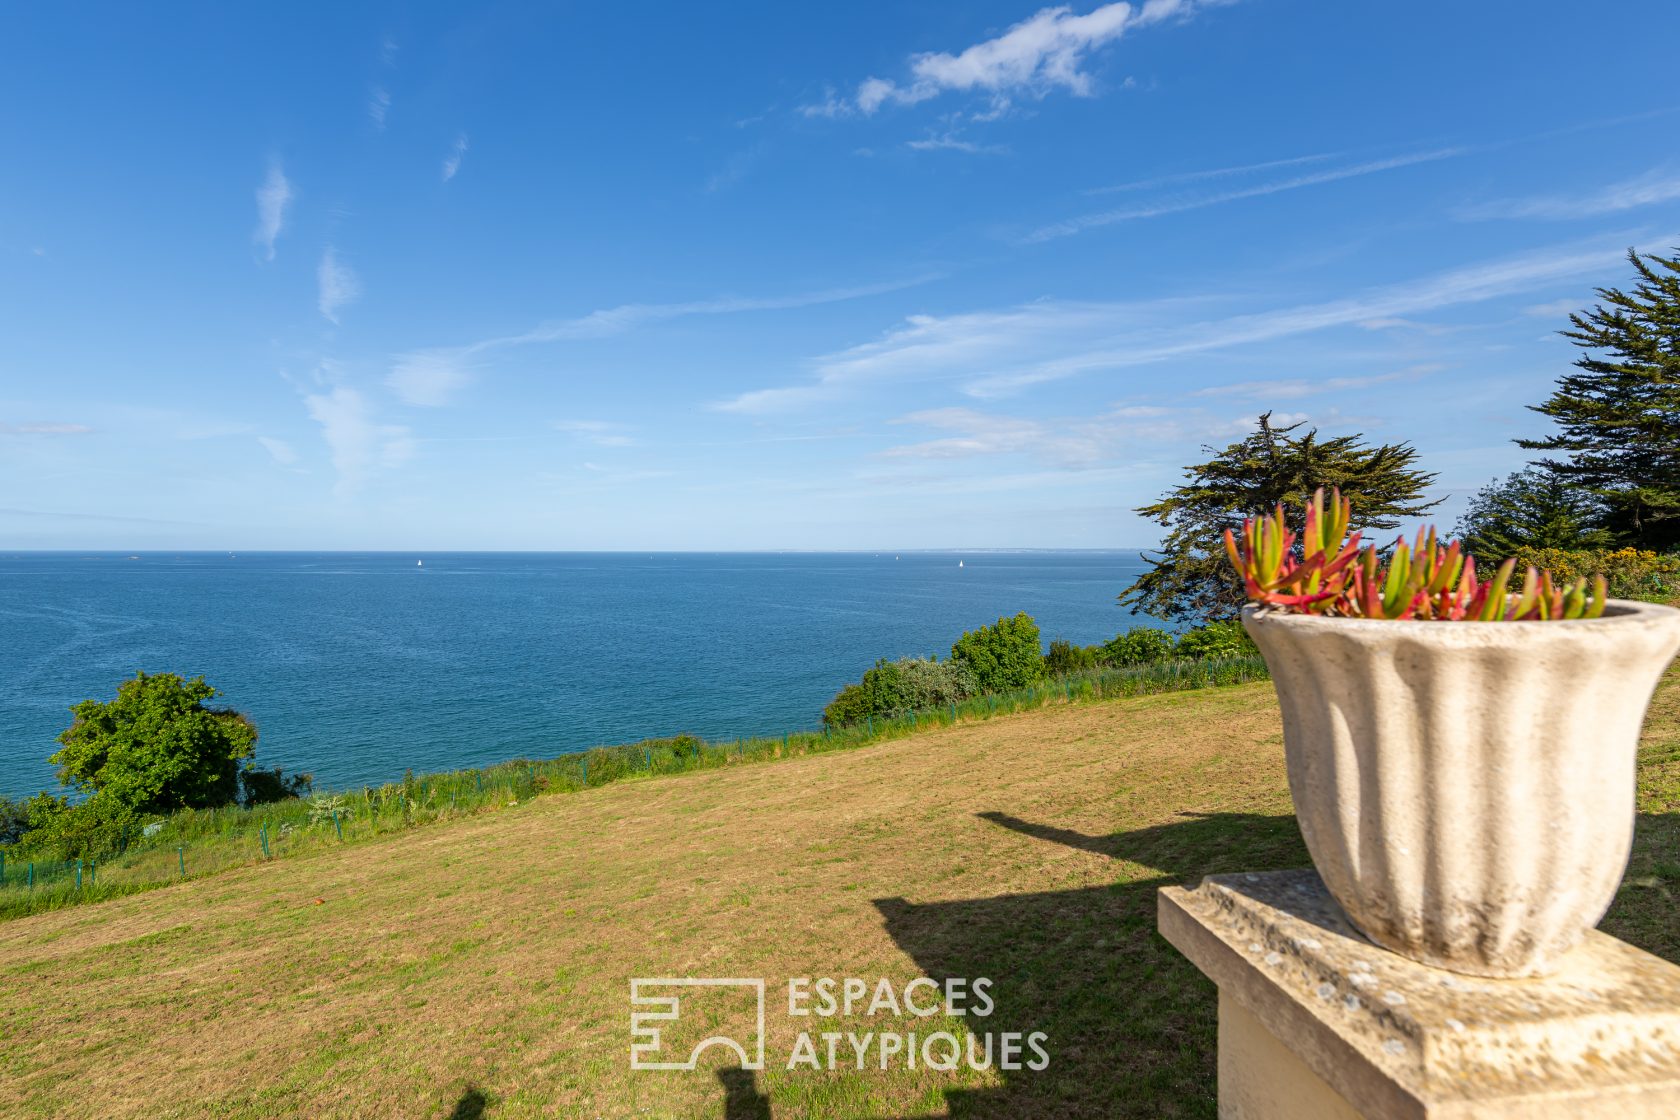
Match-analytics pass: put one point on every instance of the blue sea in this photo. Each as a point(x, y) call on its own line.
point(357, 667)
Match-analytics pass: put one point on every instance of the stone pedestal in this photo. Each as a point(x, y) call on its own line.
point(1317, 1022)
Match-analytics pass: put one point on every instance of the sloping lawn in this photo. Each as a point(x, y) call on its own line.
point(483, 967)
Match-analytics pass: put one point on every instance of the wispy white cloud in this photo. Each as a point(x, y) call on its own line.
point(442, 371)
point(1080, 443)
point(1180, 204)
point(339, 286)
point(958, 346)
point(379, 106)
point(998, 353)
point(1291, 388)
point(357, 443)
point(273, 196)
point(388, 48)
point(734, 169)
point(1046, 52)
point(283, 452)
point(1555, 309)
point(44, 428)
point(602, 433)
point(429, 378)
point(1210, 173)
point(452, 162)
point(951, 142)
point(1659, 185)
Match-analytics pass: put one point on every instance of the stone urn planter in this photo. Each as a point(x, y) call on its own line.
point(1466, 789)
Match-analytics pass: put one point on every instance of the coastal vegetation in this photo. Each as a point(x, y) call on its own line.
point(50, 869)
point(1007, 655)
point(153, 749)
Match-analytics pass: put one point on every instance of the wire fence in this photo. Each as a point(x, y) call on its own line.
point(197, 842)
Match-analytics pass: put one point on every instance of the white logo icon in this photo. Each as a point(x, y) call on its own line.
point(645, 1030)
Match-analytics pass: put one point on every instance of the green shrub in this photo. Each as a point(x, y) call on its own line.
point(156, 747)
point(1004, 655)
point(1216, 639)
point(94, 828)
point(1065, 658)
point(14, 819)
point(898, 686)
point(927, 683)
point(1140, 645)
point(1631, 573)
point(881, 690)
point(264, 787)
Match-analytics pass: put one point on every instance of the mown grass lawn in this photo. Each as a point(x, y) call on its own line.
point(482, 967)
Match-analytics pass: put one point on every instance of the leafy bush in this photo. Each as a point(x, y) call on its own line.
point(897, 686)
point(1140, 645)
point(881, 690)
point(930, 684)
point(156, 747)
point(1004, 655)
point(14, 819)
point(1065, 657)
point(1216, 639)
point(98, 825)
point(1630, 572)
point(264, 787)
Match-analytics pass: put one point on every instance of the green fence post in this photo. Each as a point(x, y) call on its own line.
point(871, 721)
point(2, 869)
point(262, 835)
point(32, 876)
point(784, 742)
point(912, 719)
point(93, 873)
point(181, 855)
point(78, 874)
point(338, 825)
point(647, 755)
point(586, 770)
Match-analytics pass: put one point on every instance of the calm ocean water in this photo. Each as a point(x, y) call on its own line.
point(358, 666)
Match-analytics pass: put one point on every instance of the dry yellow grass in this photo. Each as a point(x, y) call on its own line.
point(483, 966)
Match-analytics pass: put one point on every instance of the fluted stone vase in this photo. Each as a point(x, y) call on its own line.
point(1466, 789)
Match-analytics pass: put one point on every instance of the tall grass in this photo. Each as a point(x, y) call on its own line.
point(197, 842)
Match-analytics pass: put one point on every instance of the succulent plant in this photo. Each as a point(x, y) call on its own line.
point(1323, 570)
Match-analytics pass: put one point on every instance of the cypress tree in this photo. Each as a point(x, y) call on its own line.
point(1619, 415)
point(1192, 580)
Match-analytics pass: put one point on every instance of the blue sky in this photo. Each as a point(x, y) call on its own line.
point(784, 275)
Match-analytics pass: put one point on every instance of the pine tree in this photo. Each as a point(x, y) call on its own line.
point(1192, 580)
point(1620, 415)
point(1530, 509)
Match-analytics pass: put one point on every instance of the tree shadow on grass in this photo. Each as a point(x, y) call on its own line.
point(741, 1098)
point(1131, 1024)
point(470, 1106)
